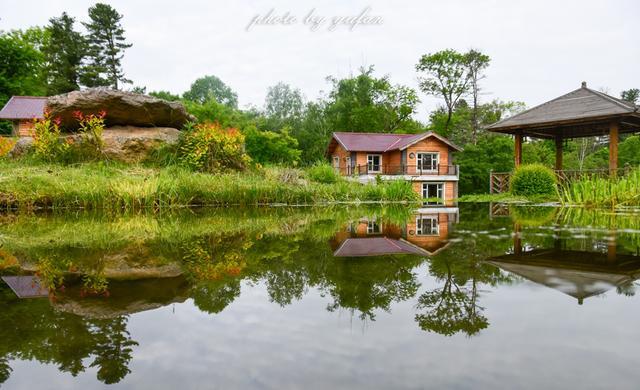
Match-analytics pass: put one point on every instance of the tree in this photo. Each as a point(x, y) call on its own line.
point(284, 106)
point(21, 65)
point(365, 103)
point(631, 95)
point(271, 147)
point(445, 74)
point(106, 46)
point(63, 55)
point(476, 63)
point(166, 95)
point(209, 88)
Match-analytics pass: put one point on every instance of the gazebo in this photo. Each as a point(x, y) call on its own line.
point(580, 113)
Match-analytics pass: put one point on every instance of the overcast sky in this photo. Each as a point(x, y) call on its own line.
point(539, 49)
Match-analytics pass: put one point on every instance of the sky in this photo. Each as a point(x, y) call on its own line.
point(539, 49)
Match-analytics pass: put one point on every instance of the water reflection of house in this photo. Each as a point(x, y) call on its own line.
point(423, 233)
point(579, 274)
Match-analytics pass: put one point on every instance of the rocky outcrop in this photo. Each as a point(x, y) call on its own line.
point(22, 146)
point(122, 108)
point(134, 144)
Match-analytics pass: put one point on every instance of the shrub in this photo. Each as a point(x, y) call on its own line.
point(534, 179)
point(6, 144)
point(91, 129)
point(322, 172)
point(207, 147)
point(46, 139)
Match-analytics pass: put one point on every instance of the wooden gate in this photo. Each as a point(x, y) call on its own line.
point(499, 182)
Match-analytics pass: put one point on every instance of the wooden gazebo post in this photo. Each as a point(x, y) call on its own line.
point(613, 148)
point(517, 154)
point(559, 152)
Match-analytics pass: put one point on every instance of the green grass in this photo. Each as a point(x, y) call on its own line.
point(28, 185)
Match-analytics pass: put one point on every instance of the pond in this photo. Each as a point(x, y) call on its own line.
point(480, 296)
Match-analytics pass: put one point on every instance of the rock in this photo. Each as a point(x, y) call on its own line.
point(134, 144)
point(22, 146)
point(122, 108)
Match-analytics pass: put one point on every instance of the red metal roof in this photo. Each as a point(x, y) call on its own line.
point(24, 107)
point(383, 142)
point(376, 246)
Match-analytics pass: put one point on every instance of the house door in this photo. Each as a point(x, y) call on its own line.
point(434, 192)
point(374, 162)
point(336, 163)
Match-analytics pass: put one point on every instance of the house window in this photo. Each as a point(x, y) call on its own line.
point(374, 163)
point(373, 227)
point(427, 162)
point(336, 163)
point(347, 161)
point(427, 226)
point(434, 192)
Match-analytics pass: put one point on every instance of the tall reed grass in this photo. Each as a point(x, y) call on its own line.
point(603, 192)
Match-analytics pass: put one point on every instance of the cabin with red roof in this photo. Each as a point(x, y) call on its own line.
point(424, 159)
point(22, 110)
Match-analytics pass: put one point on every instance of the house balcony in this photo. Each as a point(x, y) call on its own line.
point(408, 172)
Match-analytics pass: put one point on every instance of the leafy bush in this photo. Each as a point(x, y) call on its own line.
point(207, 147)
point(46, 139)
point(271, 147)
point(91, 129)
point(534, 179)
point(322, 172)
point(6, 144)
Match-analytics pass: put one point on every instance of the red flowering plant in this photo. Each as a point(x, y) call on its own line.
point(91, 128)
point(46, 138)
point(209, 147)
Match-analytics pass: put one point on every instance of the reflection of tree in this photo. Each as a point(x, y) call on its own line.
point(33, 330)
point(112, 349)
point(451, 309)
point(214, 296)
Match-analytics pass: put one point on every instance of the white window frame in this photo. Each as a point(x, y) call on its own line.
point(434, 161)
point(371, 227)
point(433, 225)
point(336, 163)
point(370, 163)
point(347, 161)
point(439, 191)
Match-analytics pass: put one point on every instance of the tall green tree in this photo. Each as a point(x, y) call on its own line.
point(365, 103)
point(63, 55)
point(106, 46)
point(476, 64)
point(209, 88)
point(444, 74)
point(631, 95)
point(284, 106)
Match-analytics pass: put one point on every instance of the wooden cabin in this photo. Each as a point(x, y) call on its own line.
point(424, 159)
point(22, 110)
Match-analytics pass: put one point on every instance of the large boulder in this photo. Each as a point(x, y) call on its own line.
point(122, 108)
point(133, 144)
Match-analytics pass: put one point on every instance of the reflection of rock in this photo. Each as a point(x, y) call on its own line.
point(133, 144)
point(123, 108)
point(125, 297)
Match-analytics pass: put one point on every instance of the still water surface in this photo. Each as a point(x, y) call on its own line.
point(482, 296)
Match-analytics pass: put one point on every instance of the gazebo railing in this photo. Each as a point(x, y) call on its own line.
point(499, 182)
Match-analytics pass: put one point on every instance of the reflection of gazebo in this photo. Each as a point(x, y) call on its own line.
point(575, 273)
point(580, 113)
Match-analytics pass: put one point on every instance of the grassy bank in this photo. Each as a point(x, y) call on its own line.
point(26, 185)
point(507, 198)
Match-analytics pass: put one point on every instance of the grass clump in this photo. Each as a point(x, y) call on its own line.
point(322, 172)
point(603, 192)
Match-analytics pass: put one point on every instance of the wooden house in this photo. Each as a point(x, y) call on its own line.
point(424, 159)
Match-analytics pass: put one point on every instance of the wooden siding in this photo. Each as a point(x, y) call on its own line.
point(24, 128)
point(429, 145)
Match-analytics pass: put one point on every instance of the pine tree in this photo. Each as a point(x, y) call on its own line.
point(63, 54)
point(106, 45)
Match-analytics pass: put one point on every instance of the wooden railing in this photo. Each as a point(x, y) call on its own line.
point(370, 169)
point(499, 181)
